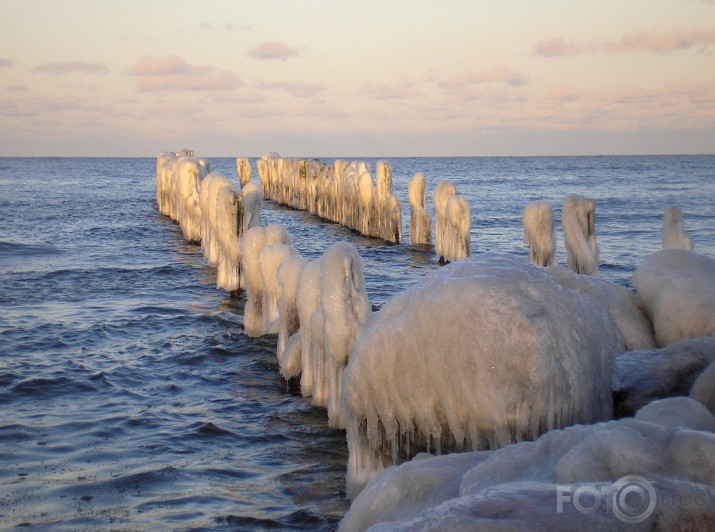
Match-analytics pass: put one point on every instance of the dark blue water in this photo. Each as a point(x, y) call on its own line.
point(129, 395)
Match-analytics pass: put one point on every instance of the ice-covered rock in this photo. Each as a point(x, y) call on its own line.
point(703, 389)
point(420, 220)
point(578, 218)
point(642, 376)
point(607, 476)
point(482, 353)
point(539, 235)
point(678, 412)
point(674, 235)
point(635, 327)
point(677, 288)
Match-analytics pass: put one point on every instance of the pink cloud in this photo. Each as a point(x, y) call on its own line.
point(272, 50)
point(60, 68)
point(298, 90)
point(380, 91)
point(651, 41)
point(558, 47)
point(495, 75)
point(5, 62)
point(174, 73)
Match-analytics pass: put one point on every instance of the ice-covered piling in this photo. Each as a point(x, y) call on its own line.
point(673, 233)
point(420, 220)
point(578, 218)
point(343, 193)
point(243, 170)
point(539, 235)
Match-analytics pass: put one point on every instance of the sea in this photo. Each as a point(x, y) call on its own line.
point(131, 399)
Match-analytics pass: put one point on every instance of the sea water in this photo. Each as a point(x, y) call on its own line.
point(129, 395)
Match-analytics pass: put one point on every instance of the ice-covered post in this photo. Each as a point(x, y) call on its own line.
point(229, 228)
point(578, 218)
point(442, 192)
point(420, 221)
point(538, 222)
point(243, 170)
point(674, 234)
point(458, 227)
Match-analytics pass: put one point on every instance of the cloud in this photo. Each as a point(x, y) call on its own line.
point(174, 73)
point(16, 88)
point(60, 68)
point(228, 26)
point(651, 41)
point(298, 90)
point(559, 47)
point(380, 91)
point(5, 62)
point(272, 50)
point(648, 41)
point(495, 75)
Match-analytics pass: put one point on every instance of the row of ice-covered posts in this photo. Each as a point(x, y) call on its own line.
point(318, 308)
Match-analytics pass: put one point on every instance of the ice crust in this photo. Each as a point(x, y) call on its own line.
point(677, 288)
point(517, 486)
point(532, 356)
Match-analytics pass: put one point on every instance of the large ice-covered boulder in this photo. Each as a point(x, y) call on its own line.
point(482, 353)
point(622, 304)
point(677, 288)
point(645, 475)
point(642, 376)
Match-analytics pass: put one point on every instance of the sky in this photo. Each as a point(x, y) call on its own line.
point(384, 78)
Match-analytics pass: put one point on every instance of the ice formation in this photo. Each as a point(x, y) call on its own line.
point(538, 222)
point(674, 235)
point(208, 197)
point(642, 376)
point(578, 218)
point(677, 288)
point(668, 462)
point(210, 209)
point(622, 304)
point(484, 352)
point(288, 349)
point(442, 192)
point(229, 228)
point(341, 192)
point(260, 313)
point(332, 307)
point(178, 180)
point(420, 220)
point(243, 170)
